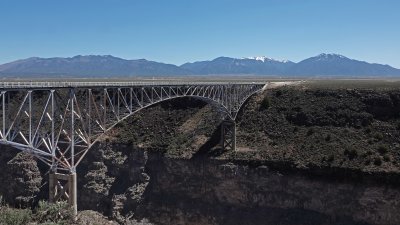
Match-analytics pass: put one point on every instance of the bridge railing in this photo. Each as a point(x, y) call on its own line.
point(41, 84)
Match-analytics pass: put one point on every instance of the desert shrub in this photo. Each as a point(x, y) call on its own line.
point(265, 103)
point(45, 214)
point(378, 136)
point(368, 130)
point(366, 121)
point(351, 153)
point(10, 216)
point(310, 131)
point(273, 143)
point(369, 152)
point(386, 158)
point(382, 149)
point(377, 161)
point(278, 93)
point(331, 158)
point(54, 213)
point(328, 138)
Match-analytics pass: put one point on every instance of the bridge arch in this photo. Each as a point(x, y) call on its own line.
point(212, 102)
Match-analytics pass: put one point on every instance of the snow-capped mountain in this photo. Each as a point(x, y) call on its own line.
point(264, 59)
point(249, 65)
point(330, 56)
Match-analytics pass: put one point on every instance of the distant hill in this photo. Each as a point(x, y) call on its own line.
point(109, 66)
point(88, 66)
point(334, 64)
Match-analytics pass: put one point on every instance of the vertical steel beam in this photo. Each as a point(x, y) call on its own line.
point(72, 185)
point(105, 109)
point(130, 100)
point(141, 96)
point(72, 134)
point(53, 145)
point(152, 94)
point(3, 93)
point(52, 120)
point(118, 92)
point(89, 116)
point(30, 116)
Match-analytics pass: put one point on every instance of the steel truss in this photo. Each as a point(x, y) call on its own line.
point(58, 123)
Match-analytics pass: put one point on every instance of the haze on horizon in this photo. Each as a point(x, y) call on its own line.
point(179, 31)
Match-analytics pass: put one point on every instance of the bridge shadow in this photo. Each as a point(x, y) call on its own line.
point(211, 148)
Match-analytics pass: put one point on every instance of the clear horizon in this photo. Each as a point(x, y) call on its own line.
point(180, 31)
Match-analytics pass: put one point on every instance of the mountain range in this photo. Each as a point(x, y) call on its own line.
point(110, 66)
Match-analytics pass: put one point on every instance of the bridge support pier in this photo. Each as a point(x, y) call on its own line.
point(228, 128)
point(63, 187)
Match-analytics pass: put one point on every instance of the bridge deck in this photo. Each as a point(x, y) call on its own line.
point(35, 85)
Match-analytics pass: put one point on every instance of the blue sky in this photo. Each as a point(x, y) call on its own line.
point(177, 31)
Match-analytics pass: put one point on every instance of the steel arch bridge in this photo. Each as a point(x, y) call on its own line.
point(58, 122)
